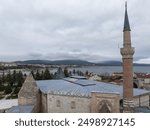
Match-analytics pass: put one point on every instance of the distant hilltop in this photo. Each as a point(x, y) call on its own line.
point(56, 62)
point(75, 62)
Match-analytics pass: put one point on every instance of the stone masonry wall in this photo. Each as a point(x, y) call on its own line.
point(43, 103)
point(141, 100)
point(68, 104)
point(110, 100)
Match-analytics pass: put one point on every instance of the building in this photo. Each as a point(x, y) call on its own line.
point(74, 94)
point(96, 77)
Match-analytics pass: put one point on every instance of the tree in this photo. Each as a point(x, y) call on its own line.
point(1, 85)
point(47, 74)
point(9, 79)
point(14, 77)
point(16, 90)
point(8, 89)
point(42, 75)
point(78, 72)
point(0, 81)
point(2, 88)
point(70, 73)
point(37, 75)
point(81, 73)
point(66, 72)
point(74, 71)
point(33, 74)
point(19, 79)
point(86, 73)
point(3, 78)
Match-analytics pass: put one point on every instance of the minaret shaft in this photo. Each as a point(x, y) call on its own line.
point(126, 39)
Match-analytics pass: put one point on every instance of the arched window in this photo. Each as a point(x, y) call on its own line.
point(104, 107)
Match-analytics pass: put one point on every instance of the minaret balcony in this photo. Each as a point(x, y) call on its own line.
point(127, 52)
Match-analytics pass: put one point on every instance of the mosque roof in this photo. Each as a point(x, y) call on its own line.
point(81, 87)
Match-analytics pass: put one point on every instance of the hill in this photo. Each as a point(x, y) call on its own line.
point(76, 62)
point(57, 62)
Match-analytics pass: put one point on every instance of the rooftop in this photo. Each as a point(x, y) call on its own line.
point(21, 109)
point(6, 104)
point(142, 110)
point(81, 87)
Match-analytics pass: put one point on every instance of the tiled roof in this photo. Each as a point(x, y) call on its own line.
point(81, 87)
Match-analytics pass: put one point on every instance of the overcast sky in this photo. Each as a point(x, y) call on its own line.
point(72, 29)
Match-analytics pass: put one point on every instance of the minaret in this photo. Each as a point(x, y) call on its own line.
point(127, 56)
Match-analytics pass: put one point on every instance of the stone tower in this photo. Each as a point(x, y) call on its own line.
point(127, 56)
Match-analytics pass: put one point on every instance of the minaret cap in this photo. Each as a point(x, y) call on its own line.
point(126, 20)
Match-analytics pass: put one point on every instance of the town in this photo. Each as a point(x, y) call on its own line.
point(12, 77)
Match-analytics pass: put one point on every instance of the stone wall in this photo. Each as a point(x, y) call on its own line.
point(142, 100)
point(43, 103)
point(68, 104)
point(29, 94)
point(105, 102)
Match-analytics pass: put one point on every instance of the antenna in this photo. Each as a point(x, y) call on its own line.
point(126, 5)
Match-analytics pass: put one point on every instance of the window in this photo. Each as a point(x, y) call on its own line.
point(73, 105)
point(58, 103)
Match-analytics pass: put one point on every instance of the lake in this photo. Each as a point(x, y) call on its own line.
point(111, 69)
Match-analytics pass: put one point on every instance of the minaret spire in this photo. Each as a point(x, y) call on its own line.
point(126, 20)
point(126, 5)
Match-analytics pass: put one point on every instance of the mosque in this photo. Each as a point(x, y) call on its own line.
point(76, 94)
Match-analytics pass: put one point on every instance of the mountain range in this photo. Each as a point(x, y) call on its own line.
point(56, 62)
point(75, 62)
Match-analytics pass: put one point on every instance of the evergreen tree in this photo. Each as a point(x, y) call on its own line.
point(19, 79)
point(14, 77)
point(37, 75)
point(33, 74)
point(8, 89)
point(1, 86)
point(74, 71)
point(16, 90)
point(81, 73)
point(47, 74)
point(0, 81)
point(66, 72)
point(70, 73)
point(3, 78)
point(42, 75)
point(78, 72)
point(86, 73)
point(9, 79)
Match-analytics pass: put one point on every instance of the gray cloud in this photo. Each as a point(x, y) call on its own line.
point(71, 29)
